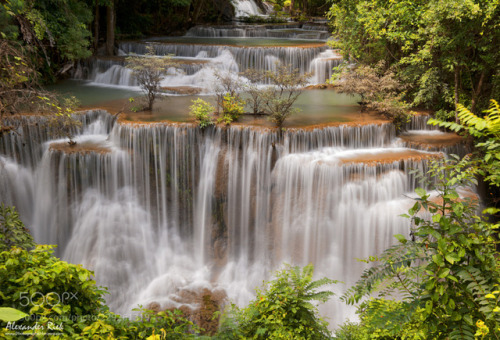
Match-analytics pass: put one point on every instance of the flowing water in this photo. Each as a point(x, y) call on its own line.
point(207, 51)
point(156, 209)
point(159, 209)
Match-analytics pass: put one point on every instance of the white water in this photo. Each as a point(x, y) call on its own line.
point(160, 209)
point(244, 8)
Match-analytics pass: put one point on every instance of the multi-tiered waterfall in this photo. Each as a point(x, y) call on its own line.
point(235, 48)
point(159, 209)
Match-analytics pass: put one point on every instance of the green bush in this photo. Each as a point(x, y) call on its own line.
point(202, 112)
point(62, 298)
point(51, 291)
point(232, 109)
point(282, 311)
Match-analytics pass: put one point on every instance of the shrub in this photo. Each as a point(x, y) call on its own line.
point(202, 112)
point(233, 106)
point(282, 311)
point(49, 290)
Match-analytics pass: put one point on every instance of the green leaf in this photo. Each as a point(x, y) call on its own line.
point(401, 238)
point(438, 259)
point(421, 192)
point(443, 272)
point(8, 314)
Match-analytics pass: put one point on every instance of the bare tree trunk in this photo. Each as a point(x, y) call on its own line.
point(110, 28)
point(292, 4)
point(477, 92)
point(96, 27)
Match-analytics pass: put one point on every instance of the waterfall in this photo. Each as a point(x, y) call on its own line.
point(158, 210)
point(261, 31)
point(322, 66)
point(196, 64)
point(245, 8)
point(297, 57)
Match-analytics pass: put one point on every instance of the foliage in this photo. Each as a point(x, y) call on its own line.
point(282, 311)
point(232, 108)
point(448, 273)
point(226, 84)
point(13, 233)
point(20, 91)
point(487, 132)
point(11, 314)
point(202, 112)
point(56, 31)
point(254, 90)
point(445, 50)
point(378, 87)
point(286, 89)
point(63, 122)
point(149, 71)
point(62, 298)
point(47, 289)
point(162, 325)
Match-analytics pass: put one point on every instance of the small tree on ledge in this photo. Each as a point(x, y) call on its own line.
point(149, 71)
point(286, 89)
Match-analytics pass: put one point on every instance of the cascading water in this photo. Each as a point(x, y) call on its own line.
point(158, 209)
point(244, 8)
point(197, 57)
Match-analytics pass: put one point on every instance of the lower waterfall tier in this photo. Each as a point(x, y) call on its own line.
point(158, 210)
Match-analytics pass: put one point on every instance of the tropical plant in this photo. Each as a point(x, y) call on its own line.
point(149, 70)
point(226, 84)
point(486, 130)
point(49, 290)
point(447, 273)
point(283, 310)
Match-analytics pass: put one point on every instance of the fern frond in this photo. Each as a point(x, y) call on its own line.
point(319, 296)
point(318, 283)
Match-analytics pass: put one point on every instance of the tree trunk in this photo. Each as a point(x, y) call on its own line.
point(196, 10)
point(292, 4)
point(96, 27)
point(457, 79)
point(110, 28)
point(477, 92)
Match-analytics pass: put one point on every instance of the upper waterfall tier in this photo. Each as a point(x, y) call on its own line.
point(314, 32)
point(195, 64)
point(244, 8)
point(246, 58)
